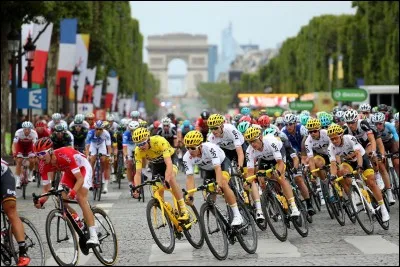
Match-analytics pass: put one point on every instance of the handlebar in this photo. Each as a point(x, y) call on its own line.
point(156, 179)
point(261, 173)
point(323, 168)
point(51, 192)
point(349, 175)
point(209, 187)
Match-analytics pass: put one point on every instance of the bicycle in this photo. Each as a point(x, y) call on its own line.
point(9, 246)
point(61, 228)
point(24, 174)
point(312, 187)
point(162, 215)
point(394, 179)
point(120, 167)
point(222, 223)
point(97, 186)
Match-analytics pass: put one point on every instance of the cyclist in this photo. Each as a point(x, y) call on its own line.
point(113, 124)
point(201, 124)
point(154, 127)
point(168, 131)
point(41, 129)
point(77, 176)
point(182, 131)
point(365, 111)
point(346, 151)
point(81, 119)
point(24, 139)
point(90, 120)
point(79, 131)
point(56, 119)
point(60, 137)
point(157, 150)
point(396, 122)
point(9, 204)
point(135, 115)
point(294, 131)
point(214, 164)
point(128, 147)
point(270, 150)
point(118, 144)
point(98, 140)
point(279, 123)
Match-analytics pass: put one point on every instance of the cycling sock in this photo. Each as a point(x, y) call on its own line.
point(258, 204)
point(292, 203)
point(235, 209)
point(308, 201)
point(182, 205)
point(92, 231)
point(381, 202)
point(22, 248)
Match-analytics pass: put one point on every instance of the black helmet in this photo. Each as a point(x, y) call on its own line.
point(382, 107)
point(171, 116)
point(205, 114)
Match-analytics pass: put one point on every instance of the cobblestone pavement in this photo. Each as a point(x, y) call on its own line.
point(327, 243)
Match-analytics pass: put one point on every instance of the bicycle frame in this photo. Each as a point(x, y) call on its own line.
point(7, 249)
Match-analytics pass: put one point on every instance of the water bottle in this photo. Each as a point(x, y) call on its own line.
point(78, 220)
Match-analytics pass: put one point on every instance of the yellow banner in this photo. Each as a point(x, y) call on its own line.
point(340, 69)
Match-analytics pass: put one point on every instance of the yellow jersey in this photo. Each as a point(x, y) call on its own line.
point(158, 150)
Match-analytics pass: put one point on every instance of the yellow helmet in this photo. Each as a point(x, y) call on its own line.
point(252, 133)
point(215, 120)
point(143, 123)
point(193, 138)
point(140, 135)
point(313, 123)
point(335, 129)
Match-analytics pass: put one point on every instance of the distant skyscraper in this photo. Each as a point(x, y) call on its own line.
point(212, 62)
point(249, 47)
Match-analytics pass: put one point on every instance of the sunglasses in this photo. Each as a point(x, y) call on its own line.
point(214, 128)
point(378, 123)
point(290, 124)
point(78, 125)
point(365, 113)
point(313, 131)
point(352, 122)
point(99, 129)
point(193, 148)
point(141, 144)
point(42, 153)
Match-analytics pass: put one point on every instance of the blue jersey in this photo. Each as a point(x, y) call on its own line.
point(389, 133)
point(127, 139)
point(92, 139)
point(296, 139)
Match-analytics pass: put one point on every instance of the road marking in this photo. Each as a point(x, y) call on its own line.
point(182, 252)
point(372, 244)
point(83, 259)
point(273, 248)
point(105, 205)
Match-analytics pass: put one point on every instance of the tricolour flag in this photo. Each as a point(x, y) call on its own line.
point(81, 58)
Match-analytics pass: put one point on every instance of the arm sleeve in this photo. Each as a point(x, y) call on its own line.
point(331, 152)
point(108, 139)
point(250, 158)
point(187, 164)
point(166, 148)
point(236, 140)
point(214, 156)
point(276, 149)
point(308, 147)
point(138, 159)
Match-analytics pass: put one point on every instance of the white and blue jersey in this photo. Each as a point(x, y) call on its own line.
point(128, 142)
point(389, 133)
point(296, 139)
point(98, 143)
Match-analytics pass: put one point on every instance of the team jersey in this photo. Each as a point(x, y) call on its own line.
point(23, 139)
point(79, 137)
point(230, 140)
point(64, 141)
point(211, 156)
point(92, 139)
point(170, 134)
point(296, 139)
point(201, 126)
point(45, 133)
point(362, 132)
point(388, 133)
point(346, 150)
point(158, 150)
point(127, 139)
point(320, 145)
point(271, 150)
point(118, 136)
point(4, 167)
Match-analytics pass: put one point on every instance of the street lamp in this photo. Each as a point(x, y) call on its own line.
point(75, 77)
point(13, 39)
point(29, 48)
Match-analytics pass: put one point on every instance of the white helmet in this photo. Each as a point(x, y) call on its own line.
point(56, 117)
point(396, 116)
point(133, 125)
point(110, 117)
point(166, 121)
point(378, 117)
point(135, 114)
point(279, 120)
point(365, 107)
point(339, 114)
point(350, 115)
point(289, 118)
point(27, 125)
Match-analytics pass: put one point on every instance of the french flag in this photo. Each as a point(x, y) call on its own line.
point(66, 59)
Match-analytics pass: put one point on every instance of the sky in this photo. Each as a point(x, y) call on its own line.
point(266, 24)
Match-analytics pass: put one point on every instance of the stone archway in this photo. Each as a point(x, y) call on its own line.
point(193, 49)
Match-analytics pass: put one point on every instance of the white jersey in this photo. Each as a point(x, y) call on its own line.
point(72, 138)
point(230, 140)
point(20, 136)
point(211, 156)
point(52, 124)
point(346, 150)
point(85, 125)
point(271, 151)
point(4, 167)
point(320, 146)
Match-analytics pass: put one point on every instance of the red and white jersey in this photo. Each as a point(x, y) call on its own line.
point(21, 138)
point(44, 133)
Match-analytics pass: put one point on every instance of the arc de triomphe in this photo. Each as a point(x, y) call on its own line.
point(193, 49)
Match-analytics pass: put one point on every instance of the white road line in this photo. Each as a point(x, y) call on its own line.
point(372, 244)
point(182, 252)
point(273, 248)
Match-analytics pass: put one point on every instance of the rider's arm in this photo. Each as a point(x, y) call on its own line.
point(139, 164)
point(332, 158)
point(169, 171)
point(239, 151)
point(281, 168)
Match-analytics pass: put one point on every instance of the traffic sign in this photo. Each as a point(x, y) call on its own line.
point(271, 111)
point(349, 94)
point(32, 98)
point(301, 105)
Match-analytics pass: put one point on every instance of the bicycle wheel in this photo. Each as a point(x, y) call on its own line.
point(120, 170)
point(61, 238)
point(337, 208)
point(8, 248)
point(24, 181)
point(300, 222)
point(164, 237)
point(325, 194)
point(247, 236)
point(274, 215)
point(141, 190)
point(214, 231)
point(34, 244)
point(395, 182)
point(194, 235)
point(361, 212)
point(107, 251)
point(96, 180)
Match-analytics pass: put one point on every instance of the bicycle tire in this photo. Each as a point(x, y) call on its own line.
point(38, 178)
point(249, 225)
point(120, 169)
point(370, 230)
point(324, 190)
point(349, 211)
point(170, 246)
point(62, 222)
point(102, 235)
point(395, 182)
point(337, 208)
point(205, 211)
point(300, 223)
point(95, 180)
point(24, 191)
point(189, 233)
point(275, 215)
point(99, 191)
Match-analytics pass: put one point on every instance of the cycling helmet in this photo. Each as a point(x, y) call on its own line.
point(325, 120)
point(313, 124)
point(245, 118)
point(156, 124)
point(59, 128)
point(345, 108)
point(42, 144)
point(135, 114)
point(171, 116)
point(252, 133)
point(110, 117)
point(140, 135)
point(27, 125)
point(237, 117)
point(243, 126)
point(89, 116)
point(143, 123)
point(264, 121)
point(304, 118)
point(382, 107)
point(41, 124)
point(279, 120)
point(334, 129)
point(245, 111)
point(186, 123)
point(374, 109)
point(365, 107)
point(78, 119)
point(215, 120)
point(270, 131)
point(166, 121)
point(121, 127)
point(133, 125)
point(289, 118)
point(205, 114)
point(263, 112)
point(339, 116)
point(396, 117)
point(350, 115)
point(378, 117)
point(106, 125)
point(193, 138)
point(305, 112)
point(99, 124)
point(56, 117)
